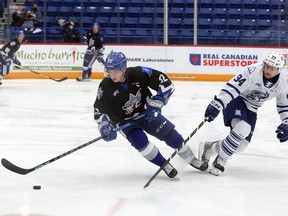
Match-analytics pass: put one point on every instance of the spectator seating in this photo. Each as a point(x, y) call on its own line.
point(228, 19)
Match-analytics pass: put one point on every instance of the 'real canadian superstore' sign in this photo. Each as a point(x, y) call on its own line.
point(175, 59)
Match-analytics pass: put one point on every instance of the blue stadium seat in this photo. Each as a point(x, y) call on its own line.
point(120, 11)
point(232, 33)
point(234, 24)
point(66, 11)
point(263, 4)
point(235, 13)
point(103, 21)
point(142, 32)
point(264, 24)
point(179, 3)
point(159, 21)
point(235, 3)
point(127, 32)
point(188, 22)
point(148, 11)
point(50, 21)
point(173, 33)
point(264, 14)
point(249, 24)
point(189, 12)
point(52, 10)
point(131, 21)
point(56, 3)
point(204, 23)
point(157, 32)
point(175, 22)
point(218, 33)
point(249, 3)
point(219, 23)
point(205, 13)
point(110, 3)
point(88, 21)
point(70, 2)
point(116, 21)
point(91, 11)
point(111, 32)
point(78, 10)
point(74, 19)
point(206, 3)
point(220, 13)
point(221, 3)
point(106, 11)
point(160, 11)
point(176, 12)
point(187, 33)
point(145, 21)
point(249, 13)
point(136, 3)
point(134, 11)
point(203, 33)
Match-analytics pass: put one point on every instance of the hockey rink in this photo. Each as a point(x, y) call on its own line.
point(41, 119)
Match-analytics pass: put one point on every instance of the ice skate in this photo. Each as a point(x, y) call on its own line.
point(170, 171)
point(205, 151)
point(84, 78)
point(218, 166)
point(200, 165)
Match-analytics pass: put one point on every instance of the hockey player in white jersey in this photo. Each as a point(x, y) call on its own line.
point(239, 99)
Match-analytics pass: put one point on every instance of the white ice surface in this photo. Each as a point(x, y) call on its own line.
point(41, 119)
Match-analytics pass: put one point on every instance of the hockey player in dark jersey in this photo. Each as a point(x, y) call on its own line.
point(94, 52)
point(123, 95)
point(8, 54)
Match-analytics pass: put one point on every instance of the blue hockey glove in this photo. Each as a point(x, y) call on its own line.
point(213, 109)
point(153, 107)
point(282, 131)
point(106, 130)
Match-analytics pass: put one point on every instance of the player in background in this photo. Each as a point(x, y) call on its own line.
point(8, 54)
point(94, 51)
point(123, 95)
point(240, 99)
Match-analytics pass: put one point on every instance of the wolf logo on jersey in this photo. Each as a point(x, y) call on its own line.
point(257, 95)
point(133, 103)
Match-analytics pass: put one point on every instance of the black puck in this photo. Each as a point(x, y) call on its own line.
point(36, 187)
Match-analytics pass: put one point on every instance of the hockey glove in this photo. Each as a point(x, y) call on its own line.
point(153, 107)
point(282, 131)
point(213, 109)
point(16, 61)
point(106, 130)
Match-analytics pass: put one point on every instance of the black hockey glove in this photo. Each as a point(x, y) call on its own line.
point(106, 130)
point(16, 61)
point(213, 109)
point(282, 131)
point(153, 107)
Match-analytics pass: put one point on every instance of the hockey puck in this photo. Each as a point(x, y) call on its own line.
point(36, 187)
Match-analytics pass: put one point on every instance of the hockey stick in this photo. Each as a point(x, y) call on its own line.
point(57, 80)
point(175, 152)
point(12, 167)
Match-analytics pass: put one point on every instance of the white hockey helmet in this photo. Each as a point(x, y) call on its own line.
point(274, 59)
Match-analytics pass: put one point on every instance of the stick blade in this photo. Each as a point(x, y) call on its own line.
point(12, 167)
point(62, 79)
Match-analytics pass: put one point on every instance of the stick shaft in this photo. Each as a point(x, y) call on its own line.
point(12, 167)
point(175, 152)
point(43, 75)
